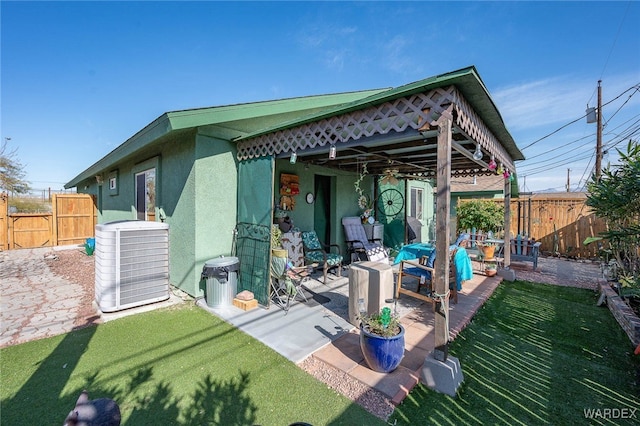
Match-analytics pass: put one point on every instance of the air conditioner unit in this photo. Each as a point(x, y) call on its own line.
point(132, 264)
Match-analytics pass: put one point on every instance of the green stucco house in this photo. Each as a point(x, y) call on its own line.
point(215, 175)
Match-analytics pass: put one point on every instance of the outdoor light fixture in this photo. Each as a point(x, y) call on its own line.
point(492, 164)
point(478, 154)
point(332, 152)
point(293, 158)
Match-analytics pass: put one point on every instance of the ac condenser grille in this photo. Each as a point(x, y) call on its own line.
point(132, 264)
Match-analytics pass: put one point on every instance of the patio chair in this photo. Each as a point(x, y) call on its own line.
point(317, 253)
point(358, 246)
point(524, 249)
point(286, 283)
point(414, 230)
point(459, 270)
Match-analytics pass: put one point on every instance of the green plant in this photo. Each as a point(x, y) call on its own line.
point(381, 323)
point(276, 236)
point(615, 197)
point(490, 266)
point(482, 215)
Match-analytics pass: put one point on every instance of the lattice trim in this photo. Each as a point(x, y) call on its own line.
point(469, 122)
point(397, 115)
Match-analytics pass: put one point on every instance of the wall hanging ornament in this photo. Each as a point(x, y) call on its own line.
point(506, 174)
point(500, 169)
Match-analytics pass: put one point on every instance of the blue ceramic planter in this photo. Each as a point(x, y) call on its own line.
point(383, 354)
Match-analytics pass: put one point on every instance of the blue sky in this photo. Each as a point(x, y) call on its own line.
point(79, 78)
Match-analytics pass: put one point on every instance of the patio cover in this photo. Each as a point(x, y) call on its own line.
point(424, 130)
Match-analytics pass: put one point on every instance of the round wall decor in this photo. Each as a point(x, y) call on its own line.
point(310, 198)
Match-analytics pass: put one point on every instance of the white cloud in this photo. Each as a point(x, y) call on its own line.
point(555, 100)
point(542, 102)
point(334, 59)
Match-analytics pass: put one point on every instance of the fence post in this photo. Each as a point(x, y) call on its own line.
point(54, 226)
point(4, 222)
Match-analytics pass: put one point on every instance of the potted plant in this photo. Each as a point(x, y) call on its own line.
point(488, 249)
point(382, 340)
point(276, 242)
point(490, 269)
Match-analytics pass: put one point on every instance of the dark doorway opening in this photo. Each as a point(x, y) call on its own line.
point(322, 208)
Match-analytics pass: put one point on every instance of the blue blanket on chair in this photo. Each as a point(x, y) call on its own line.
point(464, 270)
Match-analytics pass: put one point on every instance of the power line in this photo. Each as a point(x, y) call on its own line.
point(545, 166)
point(626, 133)
point(606, 62)
point(634, 87)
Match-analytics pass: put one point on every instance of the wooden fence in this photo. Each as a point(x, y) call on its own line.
point(560, 224)
point(71, 221)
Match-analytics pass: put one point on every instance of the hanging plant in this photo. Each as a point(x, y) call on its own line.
point(365, 203)
point(358, 181)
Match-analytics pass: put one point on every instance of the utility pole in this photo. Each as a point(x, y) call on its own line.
point(568, 185)
point(599, 133)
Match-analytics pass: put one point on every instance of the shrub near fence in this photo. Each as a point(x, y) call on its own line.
point(72, 219)
point(560, 222)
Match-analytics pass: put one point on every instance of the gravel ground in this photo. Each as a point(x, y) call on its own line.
point(76, 266)
point(370, 399)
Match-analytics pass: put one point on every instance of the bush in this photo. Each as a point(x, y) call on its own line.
point(28, 205)
point(615, 197)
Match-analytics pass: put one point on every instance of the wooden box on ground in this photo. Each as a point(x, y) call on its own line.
point(245, 305)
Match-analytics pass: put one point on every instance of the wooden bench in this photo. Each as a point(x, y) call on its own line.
point(525, 250)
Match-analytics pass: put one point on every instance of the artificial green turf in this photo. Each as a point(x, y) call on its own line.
point(176, 366)
point(536, 354)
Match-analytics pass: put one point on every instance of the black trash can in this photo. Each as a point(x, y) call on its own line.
point(221, 275)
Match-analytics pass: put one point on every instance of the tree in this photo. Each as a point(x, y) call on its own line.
point(12, 171)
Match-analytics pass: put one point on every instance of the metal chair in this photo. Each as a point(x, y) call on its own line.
point(318, 253)
point(358, 245)
point(286, 283)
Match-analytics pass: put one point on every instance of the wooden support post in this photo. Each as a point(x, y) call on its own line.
point(443, 209)
point(507, 223)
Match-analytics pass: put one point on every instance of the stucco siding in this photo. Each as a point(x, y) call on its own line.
point(177, 196)
point(216, 186)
